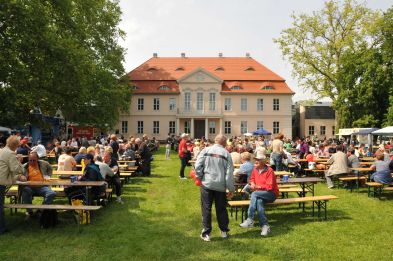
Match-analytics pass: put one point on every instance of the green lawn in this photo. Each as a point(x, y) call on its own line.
point(161, 220)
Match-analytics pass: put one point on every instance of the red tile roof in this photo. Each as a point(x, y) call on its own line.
point(151, 74)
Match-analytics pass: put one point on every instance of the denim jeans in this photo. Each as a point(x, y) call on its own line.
point(183, 165)
point(29, 192)
point(258, 199)
point(277, 159)
point(220, 201)
point(2, 218)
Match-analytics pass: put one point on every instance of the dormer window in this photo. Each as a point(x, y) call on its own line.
point(236, 88)
point(267, 88)
point(250, 69)
point(164, 88)
point(179, 69)
point(152, 69)
point(219, 68)
point(134, 87)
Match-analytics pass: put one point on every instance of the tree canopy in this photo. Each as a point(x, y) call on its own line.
point(338, 52)
point(62, 54)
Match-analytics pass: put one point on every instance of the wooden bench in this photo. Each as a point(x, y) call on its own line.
point(55, 207)
point(284, 191)
point(351, 180)
point(375, 189)
point(127, 175)
point(320, 201)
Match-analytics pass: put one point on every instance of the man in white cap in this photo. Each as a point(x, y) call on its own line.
point(183, 154)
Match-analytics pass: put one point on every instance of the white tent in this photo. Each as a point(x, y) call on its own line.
point(387, 131)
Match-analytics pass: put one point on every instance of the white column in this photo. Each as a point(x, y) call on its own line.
point(177, 127)
point(192, 128)
point(220, 125)
point(206, 128)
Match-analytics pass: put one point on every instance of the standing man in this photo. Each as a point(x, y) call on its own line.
point(214, 168)
point(145, 157)
point(10, 171)
point(183, 154)
point(115, 146)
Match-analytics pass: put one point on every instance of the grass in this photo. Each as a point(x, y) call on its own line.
point(161, 220)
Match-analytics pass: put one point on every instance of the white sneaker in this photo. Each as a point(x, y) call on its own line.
point(182, 177)
point(120, 201)
point(265, 230)
point(224, 234)
point(248, 223)
point(205, 238)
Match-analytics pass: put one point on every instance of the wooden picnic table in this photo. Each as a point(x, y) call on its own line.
point(366, 163)
point(63, 182)
point(305, 183)
point(282, 173)
point(368, 159)
point(68, 172)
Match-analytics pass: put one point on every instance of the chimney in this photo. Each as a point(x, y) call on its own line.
point(183, 55)
point(220, 55)
point(248, 55)
point(155, 55)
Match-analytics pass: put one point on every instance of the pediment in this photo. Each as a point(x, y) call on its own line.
point(199, 75)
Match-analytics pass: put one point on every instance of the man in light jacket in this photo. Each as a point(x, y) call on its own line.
point(339, 166)
point(214, 168)
point(10, 171)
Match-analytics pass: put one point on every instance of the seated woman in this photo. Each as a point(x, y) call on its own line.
point(265, 190)
point(243, 174)
point(382, 170)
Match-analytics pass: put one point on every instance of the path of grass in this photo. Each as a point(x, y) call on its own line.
point(161, 221)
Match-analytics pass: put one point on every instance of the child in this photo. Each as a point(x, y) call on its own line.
point(168, 151)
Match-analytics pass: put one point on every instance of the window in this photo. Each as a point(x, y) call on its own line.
point(124, 126)
point(276, 104)
point(200, 101)
point(156, 104)
point(187, 126)
point(187, 101)
point(152, 69)
point(156, 127)
point(276, 127)
point(212, 127)
point(219, 68)
point(212, 101)
point(260, 104)
point(333, 130)
point(179, 69)
point(227, 127)
point(140, 127)
point(236, 88)
point(243, 104)
point(323, 130)
point(172, 127)
point(227, 104)
point(243, 127)
point(259, 124)
point(267, 88)
point(310, 130)
point(164, 88)
point(134, 87)
point(172, 104)
point(141, 102)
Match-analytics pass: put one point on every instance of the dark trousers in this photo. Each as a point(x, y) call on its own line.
point(220, 201)
point(2, 218)
point(146, 167)
point(116, 182)
point(184, 162)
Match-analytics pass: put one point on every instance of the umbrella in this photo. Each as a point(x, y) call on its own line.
point(247, 134)
point(262, 131)
point(388, 131)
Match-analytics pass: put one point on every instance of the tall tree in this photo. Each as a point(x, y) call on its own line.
point(62, 54)
point(317, 46)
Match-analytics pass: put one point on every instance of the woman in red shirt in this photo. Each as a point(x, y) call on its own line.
point(263, 183)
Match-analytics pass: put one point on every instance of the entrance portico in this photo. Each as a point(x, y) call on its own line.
point(199, 127)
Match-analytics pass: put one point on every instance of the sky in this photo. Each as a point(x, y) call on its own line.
point(204, 28)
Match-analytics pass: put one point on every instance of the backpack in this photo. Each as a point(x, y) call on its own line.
point(48, 218)
point(84, 216)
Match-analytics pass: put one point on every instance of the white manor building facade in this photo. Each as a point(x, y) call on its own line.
point(206, 96)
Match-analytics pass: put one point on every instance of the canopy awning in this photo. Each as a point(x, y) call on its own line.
point(365, 131)
point(387, 131)
point(261, 131)
point(4, 129)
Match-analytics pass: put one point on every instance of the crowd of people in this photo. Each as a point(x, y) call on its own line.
point(258, 159)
